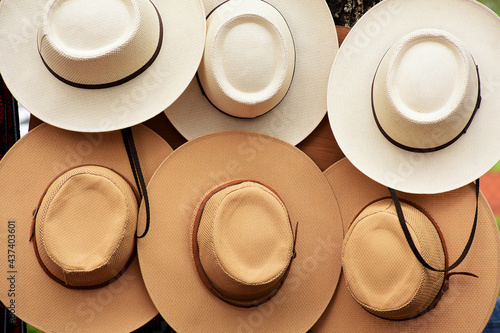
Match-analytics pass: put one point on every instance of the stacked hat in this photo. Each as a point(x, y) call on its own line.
point(70, 199)
point(420, 118)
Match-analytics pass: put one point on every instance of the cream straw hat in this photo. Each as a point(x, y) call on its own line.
point(413, 98)
point(95, 66)
point(265, 69)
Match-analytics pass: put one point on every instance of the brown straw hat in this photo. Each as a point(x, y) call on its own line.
point(265, 68)
point(95, 66)
point(246, 236)
point(70, 209)
point(383, 287)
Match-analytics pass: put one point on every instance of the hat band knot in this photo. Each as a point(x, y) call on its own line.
point(371, 288)
point(114, 83)
point(444, 288)
point(448, 274)
point(446, 280)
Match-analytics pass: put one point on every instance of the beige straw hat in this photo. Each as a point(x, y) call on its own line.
point(246, 237)
point(265, 69)
point(383, 287)
point(101, 65)
point(406, 102)
point(70, 208)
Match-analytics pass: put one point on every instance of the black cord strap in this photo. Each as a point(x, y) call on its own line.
point(128, 140)
point(402, 221)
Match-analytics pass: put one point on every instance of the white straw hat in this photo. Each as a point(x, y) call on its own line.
point(95, 66)
point(412, 99)
point(265, 69)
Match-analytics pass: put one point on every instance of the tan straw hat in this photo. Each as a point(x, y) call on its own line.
point(265, 69)
point(246, 237)
point(70, 208)
point(383, 287)
point(96, 66)
point(413, 94)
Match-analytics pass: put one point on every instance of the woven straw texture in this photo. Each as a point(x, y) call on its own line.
point(381, 271)
point(469, 302)
point(245, 241)
point(100, 110)
point(166, 257)
point(349, 95)
point(25, 172)
point(304, 106)
point(85, 226)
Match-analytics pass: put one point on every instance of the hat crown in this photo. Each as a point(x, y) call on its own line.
point(425, 89)
point(245, 241)
point(249, 58)
point(98, 42)
point(382, 273)
point(84, 227)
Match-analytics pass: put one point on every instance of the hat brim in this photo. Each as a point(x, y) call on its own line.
point(25, 172)
point(107, 109)
point(468, 303)
point(304, 105)
point(350, 114)
point(165, 254)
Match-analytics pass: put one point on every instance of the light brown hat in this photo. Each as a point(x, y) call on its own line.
point(265, 68)
point(383, 287)
point(101, 65)
point(70, 209)
point(246, 237)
